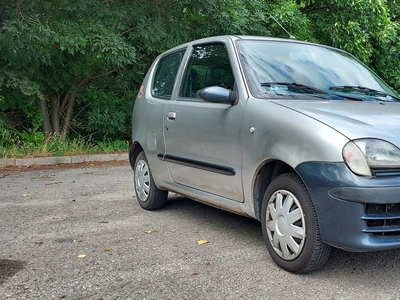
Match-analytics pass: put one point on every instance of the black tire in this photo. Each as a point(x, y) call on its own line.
point(290, 226)
point(149, 196)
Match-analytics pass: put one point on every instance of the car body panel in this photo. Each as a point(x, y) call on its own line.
point(217, 131)
point(148, 124)
point(211, 140)
point(215, 153)
point(354, 119)
point(273, 139)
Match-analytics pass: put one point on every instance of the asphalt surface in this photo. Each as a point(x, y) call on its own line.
point(78, 233)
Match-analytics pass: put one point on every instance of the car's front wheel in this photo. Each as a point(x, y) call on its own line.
point(148, 195)
point(290, 226)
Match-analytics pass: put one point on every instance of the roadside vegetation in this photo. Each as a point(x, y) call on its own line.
point(70, 70)
point(37, 145)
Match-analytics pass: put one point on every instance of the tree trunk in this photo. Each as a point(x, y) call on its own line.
point(46, 125)
point(55, 117)
point(68, 116)
point(70, 107)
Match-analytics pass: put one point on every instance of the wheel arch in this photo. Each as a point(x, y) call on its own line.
point(134, 150)
point(265, 174)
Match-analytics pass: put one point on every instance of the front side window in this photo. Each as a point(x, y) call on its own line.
point(165, 75)
point(208, 66)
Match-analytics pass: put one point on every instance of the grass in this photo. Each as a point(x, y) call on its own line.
point(55, 147)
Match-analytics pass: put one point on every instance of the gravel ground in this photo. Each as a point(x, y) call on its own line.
point(78, 233)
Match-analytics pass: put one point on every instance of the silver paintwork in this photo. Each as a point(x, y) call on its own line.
point(290, 131)
point(213, 142)
point(371, 119)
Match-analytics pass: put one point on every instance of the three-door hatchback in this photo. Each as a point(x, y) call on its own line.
point(300, 136)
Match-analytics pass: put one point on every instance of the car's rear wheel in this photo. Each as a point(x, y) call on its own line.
point(148, 195)
point(290, 226)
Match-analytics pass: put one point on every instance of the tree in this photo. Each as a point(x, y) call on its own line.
point(364, 28)
point(56, 51)
point(74, 67)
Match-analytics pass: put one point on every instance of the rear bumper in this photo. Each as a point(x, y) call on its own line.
point(354, 213)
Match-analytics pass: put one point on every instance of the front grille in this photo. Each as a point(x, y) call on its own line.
point(382, 219)
point(386, 172)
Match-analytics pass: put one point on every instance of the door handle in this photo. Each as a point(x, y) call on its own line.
point(171, 115)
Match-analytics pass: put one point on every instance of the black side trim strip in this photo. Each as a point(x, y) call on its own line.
point(197, 164)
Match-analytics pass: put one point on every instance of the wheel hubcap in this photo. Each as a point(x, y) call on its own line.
point(142, 180)
point(286, 226)
point(282, 226)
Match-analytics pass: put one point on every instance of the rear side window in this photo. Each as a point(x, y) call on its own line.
point(165, 75)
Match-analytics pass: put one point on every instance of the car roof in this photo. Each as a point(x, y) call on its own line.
point(225, 38)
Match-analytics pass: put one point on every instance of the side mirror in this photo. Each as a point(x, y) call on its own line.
point(217, 94)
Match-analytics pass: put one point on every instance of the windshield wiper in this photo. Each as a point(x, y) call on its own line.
point(362, 89)
point(296, 87)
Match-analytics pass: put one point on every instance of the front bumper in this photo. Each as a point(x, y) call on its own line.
point(355, 213)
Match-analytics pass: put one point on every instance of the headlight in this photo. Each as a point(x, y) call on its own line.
point(365, 154)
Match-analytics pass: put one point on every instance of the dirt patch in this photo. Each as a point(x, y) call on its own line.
point(9, 268)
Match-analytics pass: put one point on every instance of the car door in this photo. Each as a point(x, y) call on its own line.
point(203, 142)
point(148, 113)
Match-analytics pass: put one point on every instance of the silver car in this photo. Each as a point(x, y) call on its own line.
point(300, 136)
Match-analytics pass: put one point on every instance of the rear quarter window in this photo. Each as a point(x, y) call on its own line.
point(165, 75)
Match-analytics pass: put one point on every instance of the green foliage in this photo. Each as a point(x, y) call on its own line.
point(108, 116)
point(114, 146)
point(14, 80)
point(288, 14)
point(32, 137)
point(216, 17)
point(367, 29)
point(11, 145)
point(8, 135)
point(58, 48)
point(354, 26)
point(90, 56)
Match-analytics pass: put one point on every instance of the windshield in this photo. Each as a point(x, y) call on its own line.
point(273, 67)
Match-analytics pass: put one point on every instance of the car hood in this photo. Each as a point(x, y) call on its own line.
point(354, 119)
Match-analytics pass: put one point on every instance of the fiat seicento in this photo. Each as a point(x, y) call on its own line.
point(300, 136)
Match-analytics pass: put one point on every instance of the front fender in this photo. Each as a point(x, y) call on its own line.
point(272, 132)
